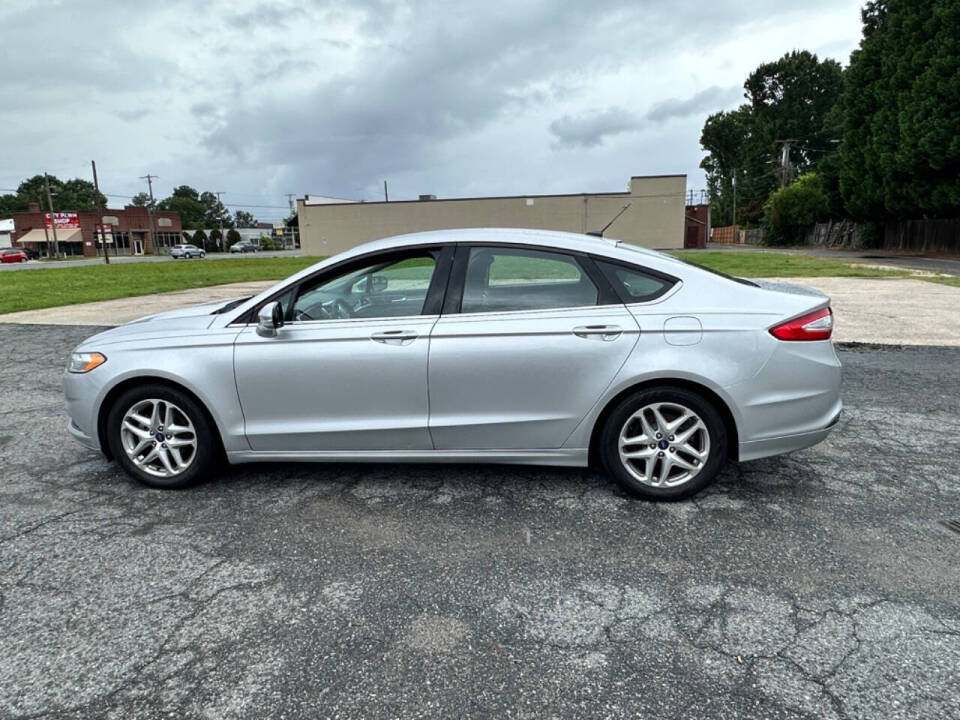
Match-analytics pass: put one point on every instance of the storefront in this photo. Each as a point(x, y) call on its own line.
point(130, 231)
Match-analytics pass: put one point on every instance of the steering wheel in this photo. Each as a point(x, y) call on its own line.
point(336, 309)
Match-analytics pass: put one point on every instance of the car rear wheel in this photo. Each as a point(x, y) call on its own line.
point(161, 437)
point(664, 443)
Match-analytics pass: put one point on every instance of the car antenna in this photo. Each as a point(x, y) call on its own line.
point(599, 233)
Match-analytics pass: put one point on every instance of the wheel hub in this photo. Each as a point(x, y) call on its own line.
point(653, 430)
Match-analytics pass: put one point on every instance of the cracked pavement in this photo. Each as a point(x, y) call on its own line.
point(815, 585)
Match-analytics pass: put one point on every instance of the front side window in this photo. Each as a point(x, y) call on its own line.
point(508, 279)
point(388, 288)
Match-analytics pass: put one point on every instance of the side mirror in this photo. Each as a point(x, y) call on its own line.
point(271, 318)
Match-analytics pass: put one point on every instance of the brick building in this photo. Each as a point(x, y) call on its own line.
point(126, 232)
point(696, 231)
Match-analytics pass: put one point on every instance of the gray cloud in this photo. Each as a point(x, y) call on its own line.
point(264, 15)
point(709, 100)
point(590, 129)
point(133, 115)
point(327, 96)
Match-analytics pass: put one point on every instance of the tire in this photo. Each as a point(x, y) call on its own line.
point(690, 466)
point(198, 461)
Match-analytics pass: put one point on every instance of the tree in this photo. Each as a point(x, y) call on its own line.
point(215, 212)
point(791, 98)
point(185, 201)
point(790, 211)
point(244, 219)
point(292, 222)
point(788, 99)
point(141, 199)
point(216, 240)
point(10, 204)
point(900, 154)
point(69, 195)
point(232, 237)
point(200, 238)
point(723, 137)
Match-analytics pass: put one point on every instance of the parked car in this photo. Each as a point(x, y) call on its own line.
point(31, 253)
point(187, 251)
point(503, 346)
point(243, 246)
point(13, 255)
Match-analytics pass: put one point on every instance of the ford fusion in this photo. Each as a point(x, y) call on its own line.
point(491, 345)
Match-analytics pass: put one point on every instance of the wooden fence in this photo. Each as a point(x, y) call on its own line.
point(726, 234)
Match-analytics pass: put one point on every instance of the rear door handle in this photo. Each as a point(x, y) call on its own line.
point(598, 332)
point(394, 337)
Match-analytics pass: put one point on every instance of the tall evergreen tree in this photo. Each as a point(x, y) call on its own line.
point(900, 155)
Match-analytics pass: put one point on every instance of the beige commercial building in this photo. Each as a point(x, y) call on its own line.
point(654, 217)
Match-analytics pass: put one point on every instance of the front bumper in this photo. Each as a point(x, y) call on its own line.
point(81, 437)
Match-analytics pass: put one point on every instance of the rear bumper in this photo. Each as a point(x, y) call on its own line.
point(785, 443)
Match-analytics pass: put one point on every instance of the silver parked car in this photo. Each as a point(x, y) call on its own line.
point(187, 251)
point(502, 346)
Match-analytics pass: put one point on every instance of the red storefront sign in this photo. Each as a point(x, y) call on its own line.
point(63, 220)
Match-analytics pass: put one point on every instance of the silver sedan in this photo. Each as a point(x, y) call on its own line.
point(491, 345)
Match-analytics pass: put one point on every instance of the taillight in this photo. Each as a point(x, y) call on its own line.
point(813, 326)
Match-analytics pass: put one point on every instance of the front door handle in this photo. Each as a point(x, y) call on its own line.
point(598, 332)
point(394, 337)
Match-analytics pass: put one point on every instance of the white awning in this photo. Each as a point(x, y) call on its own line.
point(39, 236)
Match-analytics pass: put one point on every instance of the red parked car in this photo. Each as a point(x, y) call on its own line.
point(12, 255)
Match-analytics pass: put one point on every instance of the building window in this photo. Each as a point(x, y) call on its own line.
point(166, 240)
point(121, 243)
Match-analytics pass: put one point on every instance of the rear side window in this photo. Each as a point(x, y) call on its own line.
point(634, 284)
point(507, 279)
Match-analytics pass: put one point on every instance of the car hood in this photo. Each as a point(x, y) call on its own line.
point(171, 323)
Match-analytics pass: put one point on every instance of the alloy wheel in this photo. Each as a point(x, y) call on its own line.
point(158, 437)
point(664, 444)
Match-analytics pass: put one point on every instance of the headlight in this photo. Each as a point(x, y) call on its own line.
point(85, 362)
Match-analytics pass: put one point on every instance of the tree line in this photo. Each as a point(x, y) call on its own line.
point(878, 140)
point(198, 210)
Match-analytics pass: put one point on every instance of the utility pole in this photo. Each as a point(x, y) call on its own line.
point(783, 164)
point(53, 220)
point(290, 197)
point(734, 181)
point(220, 209)
point(99, 205)
point(150, 178)
point(386, 195)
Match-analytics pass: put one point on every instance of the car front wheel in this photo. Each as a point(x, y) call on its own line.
point(161, 437)
point(664, 443)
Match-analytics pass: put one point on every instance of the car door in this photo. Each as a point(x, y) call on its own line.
point(348, 368)
point(528, 341)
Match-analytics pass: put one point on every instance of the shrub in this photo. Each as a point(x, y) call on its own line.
point(790, 211)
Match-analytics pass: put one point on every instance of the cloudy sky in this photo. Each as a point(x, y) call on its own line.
point(260, 99)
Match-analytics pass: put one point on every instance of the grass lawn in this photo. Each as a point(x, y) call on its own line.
point(952, 280)
point(33, 289)
point(761, 264)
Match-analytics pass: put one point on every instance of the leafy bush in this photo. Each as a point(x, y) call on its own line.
point(232, 237)
point(790, 211)
point(200, 238)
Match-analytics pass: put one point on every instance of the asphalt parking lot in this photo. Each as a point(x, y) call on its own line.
point(819, 584)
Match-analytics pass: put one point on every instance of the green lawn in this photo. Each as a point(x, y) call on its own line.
point(951, 280)
point(32, 289)
point(771, 264)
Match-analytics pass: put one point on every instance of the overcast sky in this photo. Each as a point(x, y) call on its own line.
point(261, 99)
